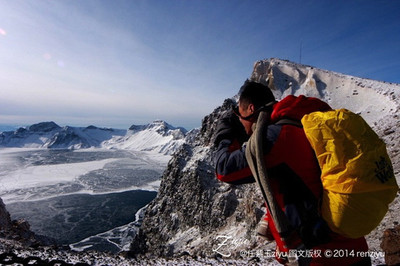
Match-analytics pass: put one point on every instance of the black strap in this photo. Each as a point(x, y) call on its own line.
point(288, 121)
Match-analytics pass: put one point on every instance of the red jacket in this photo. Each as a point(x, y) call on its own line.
point(294, 172)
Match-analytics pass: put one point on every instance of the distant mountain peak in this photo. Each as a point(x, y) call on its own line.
point(159, 121)
point(161, 127)
point(43, 127)
point(160, 124)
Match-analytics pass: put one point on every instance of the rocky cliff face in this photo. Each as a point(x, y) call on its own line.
point(194, 213)
point(5, 220)
point(19, 230)
point(193, 210)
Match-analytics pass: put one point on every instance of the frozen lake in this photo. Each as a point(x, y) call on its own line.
point(73, 195)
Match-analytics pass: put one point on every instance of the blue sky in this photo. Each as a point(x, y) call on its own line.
point(115, 63)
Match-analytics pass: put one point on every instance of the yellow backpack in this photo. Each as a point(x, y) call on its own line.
point(357, 174)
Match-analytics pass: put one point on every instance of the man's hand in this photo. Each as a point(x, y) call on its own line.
point(229, 127)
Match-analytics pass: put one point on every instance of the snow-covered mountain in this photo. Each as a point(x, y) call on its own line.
point(157, 136)
point(372, 99)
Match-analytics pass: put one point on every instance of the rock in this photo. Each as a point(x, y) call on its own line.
point(5, 220)
point(19, 230)
point(391, 245)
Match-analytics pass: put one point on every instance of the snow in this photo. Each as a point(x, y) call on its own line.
point(26, 181)
point(44, 175)
point(366, 97)
point(145, 140)
point(121, 236)
point(199, 153)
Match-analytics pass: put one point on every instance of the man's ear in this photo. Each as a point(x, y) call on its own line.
point(251, 107)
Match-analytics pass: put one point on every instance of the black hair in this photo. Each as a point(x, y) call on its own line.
point(255, 93)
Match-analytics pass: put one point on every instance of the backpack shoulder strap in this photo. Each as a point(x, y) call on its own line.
point(288, 121)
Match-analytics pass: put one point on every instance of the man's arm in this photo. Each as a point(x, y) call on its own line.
point(230, 159)
point(231, 166)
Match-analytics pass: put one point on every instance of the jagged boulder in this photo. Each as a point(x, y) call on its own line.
point(391, 245)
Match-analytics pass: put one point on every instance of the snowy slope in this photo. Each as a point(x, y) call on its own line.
point(158, 136)
point(372, 99)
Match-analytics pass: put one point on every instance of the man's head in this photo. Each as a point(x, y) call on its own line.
point(253, 97)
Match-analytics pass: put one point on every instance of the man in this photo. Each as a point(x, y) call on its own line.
point(293, 172)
